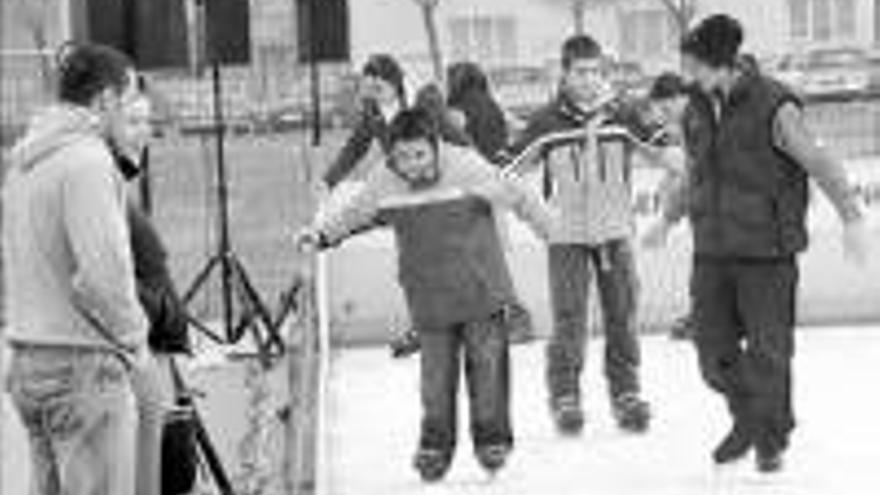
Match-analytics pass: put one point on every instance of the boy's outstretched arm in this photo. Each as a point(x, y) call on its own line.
point(506, 191)
point(353, 215)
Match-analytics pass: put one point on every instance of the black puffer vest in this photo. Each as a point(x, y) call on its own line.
point(748, 199)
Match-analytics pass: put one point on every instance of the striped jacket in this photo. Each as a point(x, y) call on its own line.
point(586, 160)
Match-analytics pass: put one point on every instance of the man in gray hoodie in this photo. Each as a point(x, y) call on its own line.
point(75, 326)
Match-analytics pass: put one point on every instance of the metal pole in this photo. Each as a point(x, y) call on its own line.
point(223, 196)
point(314, 67)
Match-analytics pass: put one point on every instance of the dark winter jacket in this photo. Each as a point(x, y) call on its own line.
point(155, 287)
point(485, 122)
point(747, 199)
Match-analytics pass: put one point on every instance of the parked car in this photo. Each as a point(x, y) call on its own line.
point(826, 71)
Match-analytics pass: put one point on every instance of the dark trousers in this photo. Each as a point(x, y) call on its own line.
point(744, 312)
point(571, 268)
point(483, 346)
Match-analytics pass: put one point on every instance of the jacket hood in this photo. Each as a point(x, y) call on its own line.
point(51, 130)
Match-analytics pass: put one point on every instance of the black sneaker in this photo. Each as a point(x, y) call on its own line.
point(493, 457)
point(768, 458)
point(432, 464)
point(405, 345)
point(770, 461)
point(632, 413)
point(733, 447)
point(682, 328)
point(568, 415)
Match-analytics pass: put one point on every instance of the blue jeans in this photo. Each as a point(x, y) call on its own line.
point(483, 347)
point(154, 389)
point(571, 269)
point(79, 411)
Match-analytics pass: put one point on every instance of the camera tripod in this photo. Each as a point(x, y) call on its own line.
point(237, 292)
point(207, 452)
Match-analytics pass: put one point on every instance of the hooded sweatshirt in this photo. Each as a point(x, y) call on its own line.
point(68, 265)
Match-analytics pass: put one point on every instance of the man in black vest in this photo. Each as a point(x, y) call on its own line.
point(750, 156)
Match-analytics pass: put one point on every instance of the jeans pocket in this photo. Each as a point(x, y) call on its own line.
point(37, 379)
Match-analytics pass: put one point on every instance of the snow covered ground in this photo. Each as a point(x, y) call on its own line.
point(374, 412)
point(373, 416)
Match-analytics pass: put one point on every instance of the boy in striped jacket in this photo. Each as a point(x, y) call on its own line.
point(584, 142)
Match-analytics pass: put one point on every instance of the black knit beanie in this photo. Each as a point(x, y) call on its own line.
point(387, 69)
point(715, 41)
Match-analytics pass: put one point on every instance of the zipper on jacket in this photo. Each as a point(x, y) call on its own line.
point(715, 129)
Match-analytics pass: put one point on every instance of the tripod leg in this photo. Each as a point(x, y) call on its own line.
point(262, 312)
point(289, 303)
point(227, 272)
point(212, 459)
point(200, 279)
point(201, 327)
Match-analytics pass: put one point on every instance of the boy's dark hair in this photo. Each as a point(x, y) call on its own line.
point(85, 70)
point(668, 85)
point(715, 41)
point(414, 124)
point(579, 47)
point(750, 63)
point(386, 68)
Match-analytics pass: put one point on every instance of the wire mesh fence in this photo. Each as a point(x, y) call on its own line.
point(271, 168)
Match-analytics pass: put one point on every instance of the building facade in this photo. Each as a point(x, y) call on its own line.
point(494, 33)
point(643, 30)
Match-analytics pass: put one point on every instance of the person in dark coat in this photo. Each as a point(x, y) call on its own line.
point(168, 323)
point(469, 93)
point(751, 159)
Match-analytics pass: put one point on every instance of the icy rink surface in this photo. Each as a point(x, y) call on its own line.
point(374, 413)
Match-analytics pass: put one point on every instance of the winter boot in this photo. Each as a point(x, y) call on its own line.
point(734, 446)
point(493, 457)
point(432, 464)
point(631, 412)
point(567, 414)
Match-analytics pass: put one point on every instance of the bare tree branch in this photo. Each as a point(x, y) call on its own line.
point(429, 10)
point(35, 16)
